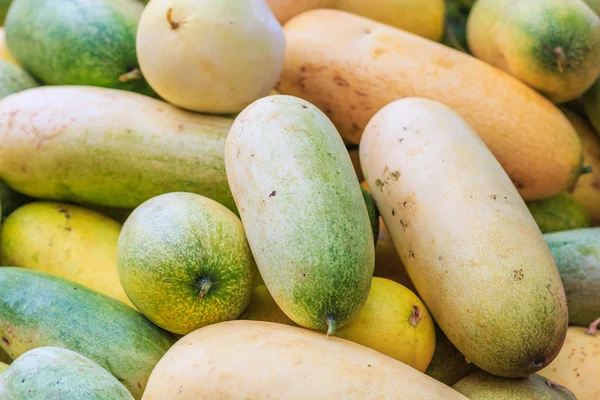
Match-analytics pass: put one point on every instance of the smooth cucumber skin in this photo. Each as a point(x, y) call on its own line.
point(49, 373)
point(303, 210)
point(38, 309)
point(109, 147)
point(483, 386)
point(173, 242)
point(77, 42)
point(14, 79)
point(559, 213)
point(577, 256)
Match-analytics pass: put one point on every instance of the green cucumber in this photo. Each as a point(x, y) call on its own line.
point(455, 30)
point(4, 6)
point(48, 373)
point(373, 213)
point(109, 147)
point(577, 256)
point(448, 365)
point(78, 42)
point(189, 252)
point(483, 386)
point(11, 200)
point(302, 209)
point(38, 310)
point(559, 213)
point(13, 79)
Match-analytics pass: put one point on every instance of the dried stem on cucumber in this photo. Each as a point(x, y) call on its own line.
point(331, 325)
point(593, 328)
point(133, 75)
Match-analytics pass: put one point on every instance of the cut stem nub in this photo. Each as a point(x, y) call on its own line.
point(417, 314)
point(174, 24)
point(132, 75)
point(593, 327)
point(205, 285)
point(331, 325)
point(561, 59)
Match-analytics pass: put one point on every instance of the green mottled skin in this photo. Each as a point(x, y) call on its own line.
point(302, 208)
point(77, 42)
point(173, 242)
point(483, 386)
point(11, 200)
point(373, 213)
point(533, 31)
point(455, 30)
point(13, 79)
point(109, 147)
point(559, 213)
point(591, 104)
point(49, 373)
point(448, 365)
point(577, 256)
point(39, 310)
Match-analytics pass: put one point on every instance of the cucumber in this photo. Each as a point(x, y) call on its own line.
point(448, 365)
point(373, 213)
point(468, 242)
point(37, 310)
point(48, 373)
point(577, 256)
point(302, 209)
point(551, 45)
point(11, 200)
point(559, 213)
point(455, 30)
point(78, 42)
point(109, 147)
point(14, 79)
point(190, 252)
point(482, 386)
point(4, 6)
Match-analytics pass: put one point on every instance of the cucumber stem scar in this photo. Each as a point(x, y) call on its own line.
point(331, 325)
point(205, 285)
point(593, 327)
point(132, 75)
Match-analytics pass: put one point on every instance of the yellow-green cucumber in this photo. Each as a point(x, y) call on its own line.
point(551, 45)
point(466, 237)
point(109, 147)
point(37, 310)
point(303, 211)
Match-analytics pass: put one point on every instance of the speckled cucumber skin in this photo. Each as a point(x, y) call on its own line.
point(468, 242)
point(109, 147)
point(577, 256)
point(49, 373)
point(14, 79)
point(526, 39)
point(302, 208)
point(173, 242)
point(77, 42)
point(39, 310)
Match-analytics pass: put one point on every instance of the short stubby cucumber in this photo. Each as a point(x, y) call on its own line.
point(109, 147)
point(43, 372)
point(303, 210)
point(552, 45)
point(559, 213)
point(78, 42)
point(37, 310)
point(577, 256)
point(190, 253)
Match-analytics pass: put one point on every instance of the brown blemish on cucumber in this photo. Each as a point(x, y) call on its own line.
point(6, 341)
point(395, 175)
point(518, 275)
point(416, 315)
point(339, 81)
point(273, 194)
